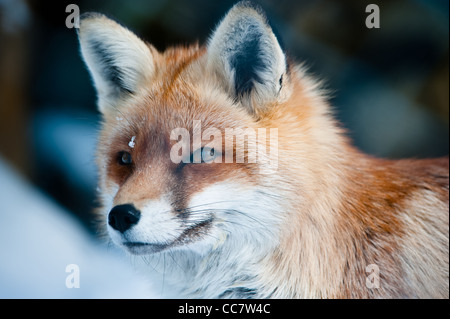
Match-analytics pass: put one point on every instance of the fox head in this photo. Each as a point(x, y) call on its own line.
point(150, 202)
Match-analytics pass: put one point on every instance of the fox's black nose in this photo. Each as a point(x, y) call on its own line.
point(122, 217)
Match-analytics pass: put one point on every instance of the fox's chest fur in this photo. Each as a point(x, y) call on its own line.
point(312, 217)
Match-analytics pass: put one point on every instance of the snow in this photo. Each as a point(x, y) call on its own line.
point(132, 143)
point(40, 243)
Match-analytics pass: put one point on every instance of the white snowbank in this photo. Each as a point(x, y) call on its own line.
point(38, 240)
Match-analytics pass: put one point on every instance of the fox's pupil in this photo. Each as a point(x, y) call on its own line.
point(208, 154)
point(125, 158)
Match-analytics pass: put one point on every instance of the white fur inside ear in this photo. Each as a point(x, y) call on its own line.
point(246, 55)
point(119, 62)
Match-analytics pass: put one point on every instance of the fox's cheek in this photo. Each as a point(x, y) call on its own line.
point(199, 176)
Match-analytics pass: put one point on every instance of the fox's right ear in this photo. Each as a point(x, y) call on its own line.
point(119, 62)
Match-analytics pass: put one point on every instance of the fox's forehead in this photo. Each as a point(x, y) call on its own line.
point(181, 94)
point(174, 61)
point(185, 108)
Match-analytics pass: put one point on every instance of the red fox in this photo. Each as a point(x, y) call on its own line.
point(327, 221)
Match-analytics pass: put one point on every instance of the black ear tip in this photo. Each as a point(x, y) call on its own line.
point(252, 6)
point(91, 15)
point(88, 16)
point(248, 4)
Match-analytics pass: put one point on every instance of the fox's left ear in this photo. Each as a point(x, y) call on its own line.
point(246, 55)
point(117, 59)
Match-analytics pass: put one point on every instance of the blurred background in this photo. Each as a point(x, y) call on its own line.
point(390, 86)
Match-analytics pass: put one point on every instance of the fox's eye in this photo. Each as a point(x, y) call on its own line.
point(125, 158)
point(204, 155)
point(209, 154)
